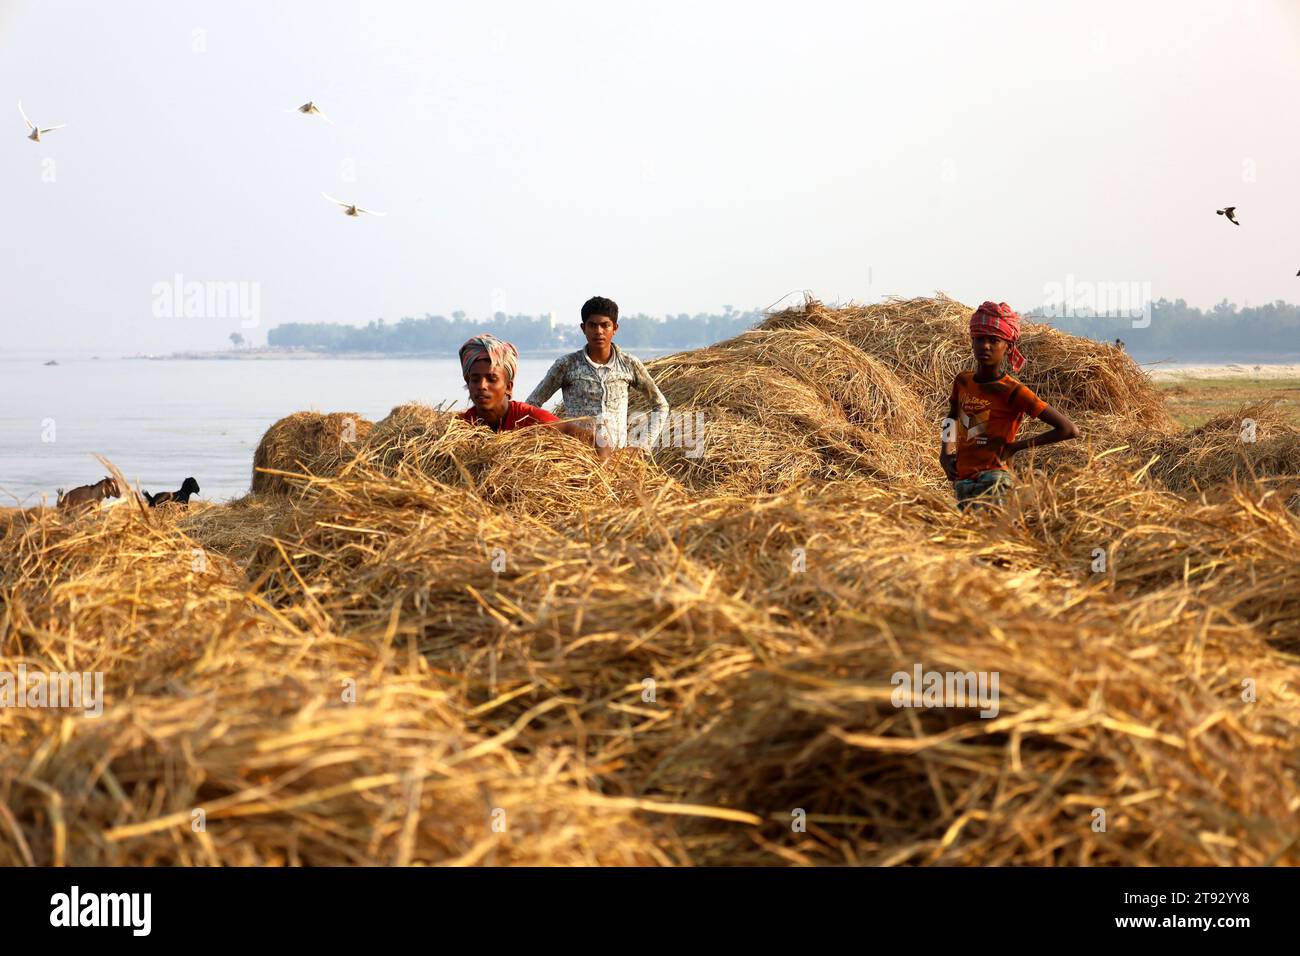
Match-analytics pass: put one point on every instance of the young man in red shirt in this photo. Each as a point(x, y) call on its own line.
point(986, 409)
point(489, 366)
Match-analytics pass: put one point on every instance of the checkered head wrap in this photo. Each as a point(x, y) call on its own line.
point(1002, 322)
point(500, 353)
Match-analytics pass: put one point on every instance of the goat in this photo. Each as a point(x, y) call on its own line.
point(188, 487)
point(89, 494)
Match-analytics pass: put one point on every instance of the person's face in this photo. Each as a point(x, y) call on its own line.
point(488, 388)
point(599, 330)
point(988, 349)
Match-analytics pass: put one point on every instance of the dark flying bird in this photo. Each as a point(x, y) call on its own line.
point(1229, 212)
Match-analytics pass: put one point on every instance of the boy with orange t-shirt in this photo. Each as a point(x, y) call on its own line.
point(986, 409)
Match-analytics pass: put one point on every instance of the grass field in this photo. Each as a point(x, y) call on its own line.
point(1193, 401)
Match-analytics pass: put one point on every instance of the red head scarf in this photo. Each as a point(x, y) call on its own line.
point(1002, 322)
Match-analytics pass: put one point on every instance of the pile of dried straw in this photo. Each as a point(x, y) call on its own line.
point(453, 647)
point(310, 442)
point(926, 342)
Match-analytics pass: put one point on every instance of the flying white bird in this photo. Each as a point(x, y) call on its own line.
point(311, 109)
point(351, 208)
point(36, 131)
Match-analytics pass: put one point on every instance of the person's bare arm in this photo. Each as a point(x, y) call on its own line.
point(1063, 429)
point(948, 442)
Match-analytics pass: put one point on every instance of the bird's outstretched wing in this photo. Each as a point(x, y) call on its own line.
point(309, 109)
point(51, 129)
point(345, 205)
point(371, 212)
point(30, 124)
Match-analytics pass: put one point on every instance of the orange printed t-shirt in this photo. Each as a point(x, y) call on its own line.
point(988, 416)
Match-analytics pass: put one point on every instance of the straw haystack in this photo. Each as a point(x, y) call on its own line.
point(664, 660)
point(1255, 442)
point(306, 442)
point(779, 407)
point(529, 471)
point(863, 389)
point(411, 436)
point(926, 342)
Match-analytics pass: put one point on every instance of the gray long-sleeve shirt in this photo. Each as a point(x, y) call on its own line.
point(599, 392)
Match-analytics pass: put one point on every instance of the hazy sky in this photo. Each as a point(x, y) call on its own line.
point(674, 156)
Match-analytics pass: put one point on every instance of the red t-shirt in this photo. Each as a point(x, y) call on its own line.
point(988, 416)
point(518, 415)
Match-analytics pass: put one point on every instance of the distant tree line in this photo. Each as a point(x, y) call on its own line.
point(1178, 330)
point(437, 333)
point(1175, 330)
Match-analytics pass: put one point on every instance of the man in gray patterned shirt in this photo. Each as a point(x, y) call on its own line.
point(595, 379)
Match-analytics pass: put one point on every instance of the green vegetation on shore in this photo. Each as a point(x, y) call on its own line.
point(1178, 329)
point(1175, 329)
point(1194, 401)
point(436, 333)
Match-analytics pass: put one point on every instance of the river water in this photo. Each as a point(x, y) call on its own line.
point(160, 421)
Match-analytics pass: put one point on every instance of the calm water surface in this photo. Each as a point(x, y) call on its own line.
point(162, 420)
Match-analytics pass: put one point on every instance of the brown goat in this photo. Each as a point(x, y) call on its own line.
point(88, 495)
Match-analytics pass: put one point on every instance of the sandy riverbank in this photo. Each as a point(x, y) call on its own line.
point(1169, 373)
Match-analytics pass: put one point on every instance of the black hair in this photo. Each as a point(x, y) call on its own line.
point(599, 305)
